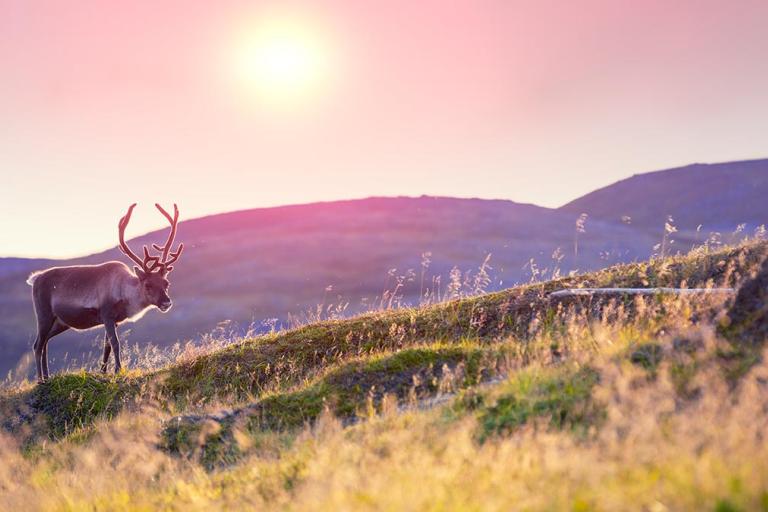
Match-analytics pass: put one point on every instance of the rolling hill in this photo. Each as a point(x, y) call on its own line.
point(269, 263)
point(716, 196)
point(496, 399)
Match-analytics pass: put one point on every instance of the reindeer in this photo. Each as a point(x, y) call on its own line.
point(85, 296)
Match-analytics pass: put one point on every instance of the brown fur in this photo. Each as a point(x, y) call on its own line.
point(86, 296)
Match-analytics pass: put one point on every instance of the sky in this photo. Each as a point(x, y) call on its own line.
point(227, 105)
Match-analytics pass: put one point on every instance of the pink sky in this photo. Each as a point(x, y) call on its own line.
point(104, 104)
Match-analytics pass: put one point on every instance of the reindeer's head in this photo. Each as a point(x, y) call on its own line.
point(154, 288)
point(152, 271)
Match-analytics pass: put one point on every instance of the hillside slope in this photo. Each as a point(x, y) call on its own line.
point(250, 368)
point(716, 196)
point(268, 263)
point(255, 265)
point(509, 398)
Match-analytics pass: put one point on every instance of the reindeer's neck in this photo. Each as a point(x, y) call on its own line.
point(135, 302)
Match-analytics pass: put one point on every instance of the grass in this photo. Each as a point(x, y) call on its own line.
point(643, 449)
point(353, 390)
point(506, 400)
point(76, 400)
point(560, 395)
point(245, 371)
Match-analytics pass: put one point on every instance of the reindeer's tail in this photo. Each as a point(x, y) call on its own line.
point(33, 276)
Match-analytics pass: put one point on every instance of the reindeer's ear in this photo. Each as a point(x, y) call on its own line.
point(139, 273)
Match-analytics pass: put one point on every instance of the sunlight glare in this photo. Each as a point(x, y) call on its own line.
point(282, 62)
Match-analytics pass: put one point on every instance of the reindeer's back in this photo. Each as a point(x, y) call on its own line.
point(87, 283)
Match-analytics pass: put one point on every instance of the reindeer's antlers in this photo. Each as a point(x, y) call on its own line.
point(151, 263)
point(166, 262)
point(121, 236)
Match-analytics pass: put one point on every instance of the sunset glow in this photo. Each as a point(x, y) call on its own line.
point(233, 104)
point(281, 61)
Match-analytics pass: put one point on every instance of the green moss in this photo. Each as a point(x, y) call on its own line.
point(682, 374)
point(561, 394)
point(290, 410)
point(207, 441)
point(218, 450)
point(737, 359)
point(725, 505)
point(73, 401)
point(648, 356)
point(348, 391)
point(181, 436)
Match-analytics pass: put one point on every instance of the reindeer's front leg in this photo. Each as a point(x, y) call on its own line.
point(107, 350)
point(114, 342)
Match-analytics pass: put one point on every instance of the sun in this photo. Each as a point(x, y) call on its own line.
point(282, 61)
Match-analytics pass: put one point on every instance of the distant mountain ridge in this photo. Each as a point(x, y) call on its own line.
point(251, 265)
point(716, 196)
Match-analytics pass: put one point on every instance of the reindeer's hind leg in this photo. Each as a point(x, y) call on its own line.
point(57, 328)
point(45, 320)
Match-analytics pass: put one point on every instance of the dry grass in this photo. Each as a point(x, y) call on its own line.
point(652, 450)
point(637, 405)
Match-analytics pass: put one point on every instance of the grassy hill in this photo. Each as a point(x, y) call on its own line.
point(275, 264)
point(268, 263)
point(509, 399)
